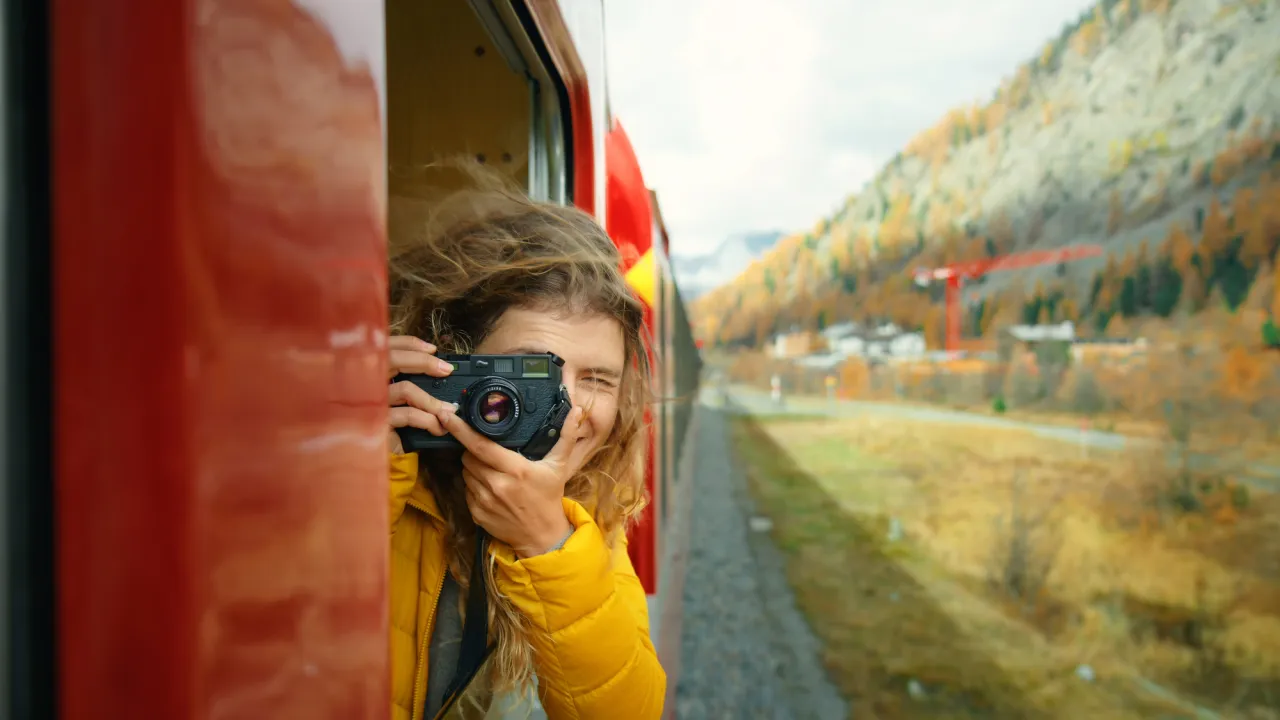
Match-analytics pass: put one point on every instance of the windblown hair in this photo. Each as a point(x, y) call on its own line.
point(455, 267)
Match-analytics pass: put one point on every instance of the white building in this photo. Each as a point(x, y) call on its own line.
point(823, 361)
point(794, 344)
point(884, 343)
point(851, 346)
point(1063, 331)
point(839, 331)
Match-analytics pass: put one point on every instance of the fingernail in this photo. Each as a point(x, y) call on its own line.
point(444, 365)
point(449, 409)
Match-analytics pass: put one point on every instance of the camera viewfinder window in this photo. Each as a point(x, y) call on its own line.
point(537, 367)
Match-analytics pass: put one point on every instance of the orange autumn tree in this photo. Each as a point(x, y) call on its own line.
point(855, 379)
point(1118, 327)
point(1267, 220)
point(1216, 233)
point(1180, 248)
point(1109, 288)
point(1251, 221)
point(896, 226)
point(1088, 38)
point(1242, 374)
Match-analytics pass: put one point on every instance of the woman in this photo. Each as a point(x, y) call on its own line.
point(495, 273)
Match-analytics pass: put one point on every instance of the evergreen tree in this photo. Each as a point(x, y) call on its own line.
point(1271, 333)
point(1166, 286)
point(1128, 297)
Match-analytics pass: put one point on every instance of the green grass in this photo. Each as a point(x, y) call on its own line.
point(880, 628)
point(888, 613)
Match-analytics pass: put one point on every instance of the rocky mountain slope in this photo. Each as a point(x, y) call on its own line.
point(700, 273)
point(1130, 127)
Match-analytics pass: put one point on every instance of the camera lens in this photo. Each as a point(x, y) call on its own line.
point(495, 408)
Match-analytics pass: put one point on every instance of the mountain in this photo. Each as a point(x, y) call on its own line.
point(698, 274)
point(1149, 127)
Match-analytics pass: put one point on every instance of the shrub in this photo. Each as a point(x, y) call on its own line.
point(1086, 395)
point(1025, 548)
point(1270, 333)
point(1240, 497)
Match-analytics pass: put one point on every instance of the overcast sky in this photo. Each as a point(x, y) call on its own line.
point(753, 115)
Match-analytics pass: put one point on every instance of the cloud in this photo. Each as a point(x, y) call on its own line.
point(752, 115)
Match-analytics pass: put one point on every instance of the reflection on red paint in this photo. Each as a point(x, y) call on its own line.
point(629, 220)
point(221, 280)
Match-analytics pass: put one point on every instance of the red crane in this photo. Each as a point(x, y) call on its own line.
point(956, 273)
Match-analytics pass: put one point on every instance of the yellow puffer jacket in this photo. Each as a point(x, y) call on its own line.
point(589, 624)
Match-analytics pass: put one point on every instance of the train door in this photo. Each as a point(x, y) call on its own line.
point(27, 642)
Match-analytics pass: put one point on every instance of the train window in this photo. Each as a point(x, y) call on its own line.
point(5, 544)
point(465, 80)
point(27, 639)
point(547, 172)
point(663, 462)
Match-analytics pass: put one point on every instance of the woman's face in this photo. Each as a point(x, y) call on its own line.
point(594, 356)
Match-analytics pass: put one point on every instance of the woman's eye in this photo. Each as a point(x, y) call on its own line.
point(600, 382)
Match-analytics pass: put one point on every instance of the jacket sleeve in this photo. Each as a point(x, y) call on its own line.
point(589, 626)
point(404, 473)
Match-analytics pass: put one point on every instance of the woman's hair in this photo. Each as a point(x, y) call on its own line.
point(455, 267)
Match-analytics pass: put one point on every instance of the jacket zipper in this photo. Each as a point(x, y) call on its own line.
point(420, 678)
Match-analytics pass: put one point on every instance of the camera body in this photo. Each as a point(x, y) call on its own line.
point(518, 401)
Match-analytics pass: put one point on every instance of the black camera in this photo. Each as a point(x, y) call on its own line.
point(517, 401)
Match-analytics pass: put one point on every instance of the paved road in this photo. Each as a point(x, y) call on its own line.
point(1259, 475)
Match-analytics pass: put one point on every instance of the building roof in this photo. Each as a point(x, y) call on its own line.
point(1064, 331)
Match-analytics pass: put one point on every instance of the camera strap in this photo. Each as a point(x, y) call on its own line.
point(475, 628)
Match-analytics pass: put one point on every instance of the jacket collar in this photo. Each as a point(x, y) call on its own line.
point(422, 498)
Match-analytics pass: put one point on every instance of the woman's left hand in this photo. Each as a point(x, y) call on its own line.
point(516, 500)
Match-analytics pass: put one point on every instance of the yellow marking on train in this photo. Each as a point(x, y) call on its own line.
point(642, 277)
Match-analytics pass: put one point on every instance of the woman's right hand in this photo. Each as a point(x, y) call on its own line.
point(411, 406)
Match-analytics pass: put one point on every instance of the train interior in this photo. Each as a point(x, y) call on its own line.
point(467, 80)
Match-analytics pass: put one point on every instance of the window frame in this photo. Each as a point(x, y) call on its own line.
point(28, 637)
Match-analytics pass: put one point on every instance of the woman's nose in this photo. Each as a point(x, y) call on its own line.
point(571, 384)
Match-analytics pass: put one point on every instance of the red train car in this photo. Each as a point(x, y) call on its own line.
point(196, 198)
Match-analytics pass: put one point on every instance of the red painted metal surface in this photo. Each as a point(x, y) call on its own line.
point(951, 301)
point(629, 221)
point(220, 280)
point(564, 55)
point(975, 268)
point(956, 273)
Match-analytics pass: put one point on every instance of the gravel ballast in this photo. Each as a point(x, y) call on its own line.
point(746, 650)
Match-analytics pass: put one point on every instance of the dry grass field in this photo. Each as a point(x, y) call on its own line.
point(957, 572)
